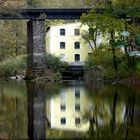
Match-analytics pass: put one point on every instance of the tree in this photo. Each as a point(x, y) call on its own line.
point(12, 38)
point(93, 21)
point(112, 23)
point(102, 24)
point(12, 33)
point(34, 3)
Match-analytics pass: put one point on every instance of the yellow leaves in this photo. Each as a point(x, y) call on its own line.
point(125, 3)
point(88, 2)
point(14, 4)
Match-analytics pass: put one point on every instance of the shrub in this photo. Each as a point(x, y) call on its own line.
point(54, 63)
point(14, 65)
point(138, 65)
point(89, 62)
point(57, 76)
point(103, 57)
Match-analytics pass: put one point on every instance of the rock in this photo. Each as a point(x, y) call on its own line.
point(17, 77)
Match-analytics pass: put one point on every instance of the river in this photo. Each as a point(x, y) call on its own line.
point(68, 110)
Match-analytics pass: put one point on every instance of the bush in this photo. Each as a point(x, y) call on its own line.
point(103, 57)
point(54, 63)
point(123, 70)
point(138, 65)
point(57, 76)
point(89, 62)
point(12, 66)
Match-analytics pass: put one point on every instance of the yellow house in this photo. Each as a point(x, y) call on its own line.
point(65, 41)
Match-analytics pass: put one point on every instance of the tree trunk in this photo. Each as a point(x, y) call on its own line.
point(113, 123)
point(113, 51)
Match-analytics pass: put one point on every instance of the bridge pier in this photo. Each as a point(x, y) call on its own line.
point(35, 48)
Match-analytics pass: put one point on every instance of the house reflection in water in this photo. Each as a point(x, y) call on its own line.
point(73, 109)
point(65, 111)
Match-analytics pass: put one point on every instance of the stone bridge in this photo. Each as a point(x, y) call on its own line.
point(36, 33)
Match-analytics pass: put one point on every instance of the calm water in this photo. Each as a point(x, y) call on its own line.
point(70, 110)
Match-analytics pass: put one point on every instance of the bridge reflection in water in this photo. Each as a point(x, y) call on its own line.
point(72, 108)
point(36, 111)
point(68, 110)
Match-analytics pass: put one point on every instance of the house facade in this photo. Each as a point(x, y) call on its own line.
point(65, 41)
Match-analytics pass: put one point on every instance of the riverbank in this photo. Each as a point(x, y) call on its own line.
point(131, 80)
point(134, 79)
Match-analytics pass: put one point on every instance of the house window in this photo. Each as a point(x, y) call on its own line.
point(77, 45)
point(77, 107)
point(63, 120)
point(77, 120)
point(62, 107)
point(62, 31)
point(77, 93)
point(62, 57)
point(77, 57)
point(62, 45)
point(76, 31)
point(63, 97)
point(89, 54)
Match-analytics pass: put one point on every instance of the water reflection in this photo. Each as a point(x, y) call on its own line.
point(13, 117)
point(36, 99)
point(65, 110)
point(51, 111)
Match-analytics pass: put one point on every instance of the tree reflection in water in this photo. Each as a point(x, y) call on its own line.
point(116, 119)
point(111, 113)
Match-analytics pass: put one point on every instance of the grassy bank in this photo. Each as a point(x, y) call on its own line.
point(17, 66)
point(13, 66)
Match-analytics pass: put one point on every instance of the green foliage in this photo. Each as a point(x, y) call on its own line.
point(89, 62)
point(138, 65)
point(54, 63)
point(103, 57)
point(95, 24)
point(35, 3)
point(12, 66)
point(124, 71)
point(137, 40)
point(119, 33)
point(12, 38)
point(57, 3)
point(57, 76)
